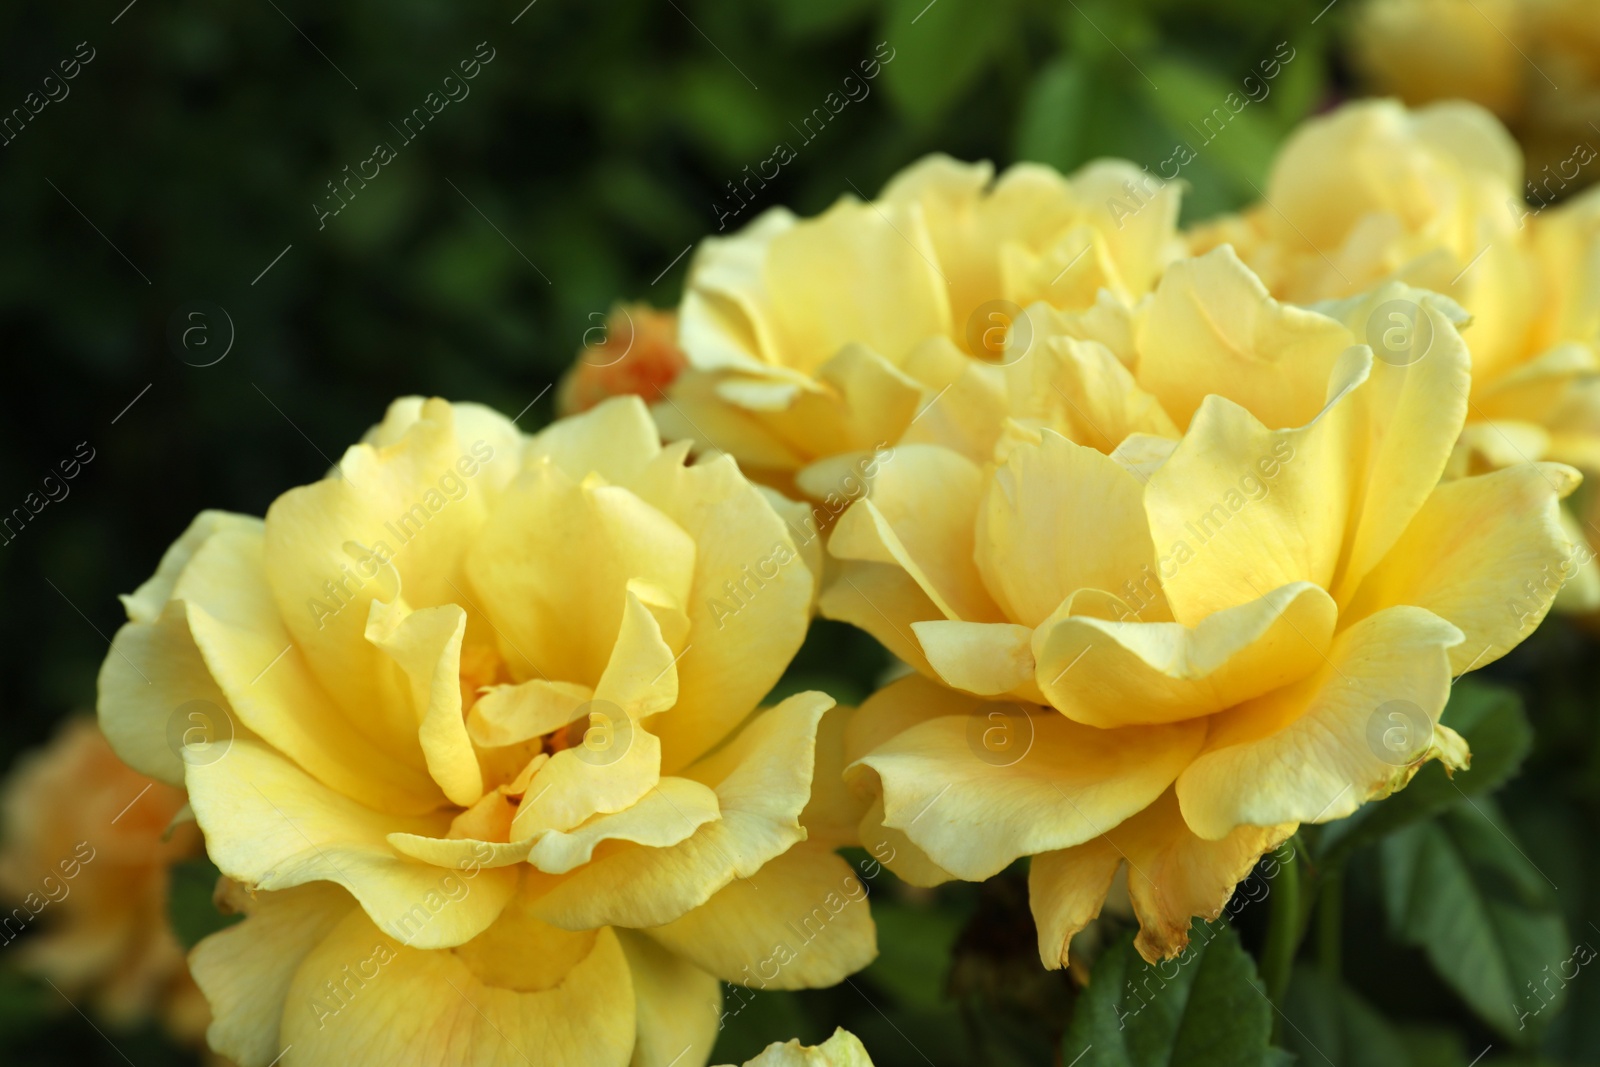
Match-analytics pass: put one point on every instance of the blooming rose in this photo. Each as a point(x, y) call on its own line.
point(86, 860)
point(1424, 51)
point(816, 338)
point(494, 793)
point(840, 1050)
point(1434, 198)
point(1172, 655)
point(1535, 63)
point(635, 352)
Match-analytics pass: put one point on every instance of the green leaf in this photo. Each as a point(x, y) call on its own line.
point(189, 905)
point(914, 951)
point(1327, 1023)
point(811, 18)
point(940, 47)
point(1051, 127)
point(25, 1004)
point(1203, 1008)
point(1216, 117)
point(1496, 729)
point(1460, 889)
point(1299, 82)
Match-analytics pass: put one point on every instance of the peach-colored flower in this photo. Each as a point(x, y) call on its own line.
point(634, 353)
point(86, 864)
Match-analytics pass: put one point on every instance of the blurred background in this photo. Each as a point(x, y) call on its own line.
point(180, 302)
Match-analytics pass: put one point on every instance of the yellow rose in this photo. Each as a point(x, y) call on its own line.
point(1172, 655)
point(484, 765)
point(1535, 63)
point(840, 1050)
point(1428, 50)
point(86, 863)
point(1433, 197)
point(816, 338)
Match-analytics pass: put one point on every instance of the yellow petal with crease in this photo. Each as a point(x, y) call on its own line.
point(153, 670)
point(762, 779)
point(426, 646)
point(1115, 673)
point(668, 814)
point(986, 659)
point(1174, 877)
point(510, 714)
point(1060, 517)
point(974, 809)
point(585, 1019)
point(678, 1005)
point(269, 825)
point(801, 922)
point(1316, 751)
point(1212, 327)
point(1486, 553)
point(245, 970)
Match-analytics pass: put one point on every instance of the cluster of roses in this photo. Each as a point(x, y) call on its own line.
point(1165, 520)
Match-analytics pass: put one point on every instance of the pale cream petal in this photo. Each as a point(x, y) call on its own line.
point(859, 400)
point(245, 970)
point(460, 853)
point(833, 814)
point(1080, 389)
point(882, 256)
point(898, 706)
point(975, 806)
point(641, 678)
point(144, 604)
point(1413, 412)
point(722, 321)
point(1122, 673)
point(678, 1005)
point(153, 670)
point(270, 826)
point(1487, 553)
point(692, 410)
point(801, 922)
point(1316, 750)
point(843, 1049)
point(614, 766)
point(894, 850)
